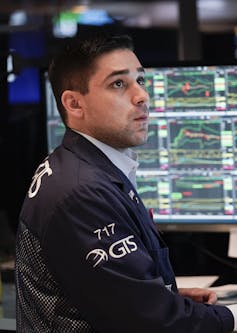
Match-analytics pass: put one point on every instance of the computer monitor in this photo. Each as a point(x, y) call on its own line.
point(187, 172)
point(54, 125)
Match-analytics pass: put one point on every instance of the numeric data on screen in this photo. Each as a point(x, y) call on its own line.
point(187, 168)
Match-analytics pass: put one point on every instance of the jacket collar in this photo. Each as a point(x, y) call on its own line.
point(87, 151)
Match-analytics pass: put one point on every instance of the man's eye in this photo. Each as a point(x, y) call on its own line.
point(141, 81)
point(118, 84)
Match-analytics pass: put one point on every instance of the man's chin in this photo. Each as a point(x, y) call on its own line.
point(140, 142)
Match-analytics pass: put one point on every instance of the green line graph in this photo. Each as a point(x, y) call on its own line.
point(195, 134)
point(193, 90)
point(232, 90)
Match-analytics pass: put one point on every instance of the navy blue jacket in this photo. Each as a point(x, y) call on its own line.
point(89, 258)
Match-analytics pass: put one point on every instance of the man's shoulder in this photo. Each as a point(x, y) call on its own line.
point(63, 174)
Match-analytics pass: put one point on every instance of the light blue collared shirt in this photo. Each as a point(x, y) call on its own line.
point(124, 159)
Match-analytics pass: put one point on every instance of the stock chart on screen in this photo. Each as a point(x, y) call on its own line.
point(187, 170)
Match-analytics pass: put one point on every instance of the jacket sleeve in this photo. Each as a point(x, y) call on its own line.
point(95, 249)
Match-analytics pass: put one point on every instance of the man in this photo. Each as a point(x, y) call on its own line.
point(88, 257)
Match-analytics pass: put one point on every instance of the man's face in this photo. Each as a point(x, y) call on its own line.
point(116, 107)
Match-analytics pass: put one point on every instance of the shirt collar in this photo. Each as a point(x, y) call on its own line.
point(124, 159)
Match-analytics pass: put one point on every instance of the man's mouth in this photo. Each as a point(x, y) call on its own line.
point(143, 117)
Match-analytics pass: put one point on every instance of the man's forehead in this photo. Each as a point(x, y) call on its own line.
point(118, 60)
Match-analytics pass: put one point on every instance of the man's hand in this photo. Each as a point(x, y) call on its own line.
point(199, 295)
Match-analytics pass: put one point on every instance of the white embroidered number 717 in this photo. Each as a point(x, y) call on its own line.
point(107, 230)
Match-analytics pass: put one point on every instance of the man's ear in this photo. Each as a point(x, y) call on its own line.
point(71, 102)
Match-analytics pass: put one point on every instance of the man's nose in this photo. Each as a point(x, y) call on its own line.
point(141, 95)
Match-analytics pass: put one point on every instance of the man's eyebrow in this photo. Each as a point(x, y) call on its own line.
point(141, 70)
point(123, 72)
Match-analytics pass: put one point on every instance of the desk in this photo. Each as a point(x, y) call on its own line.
point(7, 325)
point(8, 309)
point(201, 281)
point(226, 294)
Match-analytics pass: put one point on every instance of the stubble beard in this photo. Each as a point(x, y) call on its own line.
point(123, 139)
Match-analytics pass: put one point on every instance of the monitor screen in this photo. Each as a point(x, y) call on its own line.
point(187, 169)
point(54, 124)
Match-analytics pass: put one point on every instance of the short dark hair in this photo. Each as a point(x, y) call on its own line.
point(73, 67)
